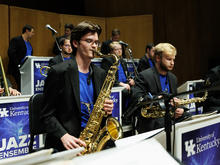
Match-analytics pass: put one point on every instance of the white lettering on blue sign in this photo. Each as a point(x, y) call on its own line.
point(40, 83)
point(13, 153)
point(115, 100)
point(37, 65)
point(189, 147)
point(202, 144)
point(10, 143)
point(4, 112)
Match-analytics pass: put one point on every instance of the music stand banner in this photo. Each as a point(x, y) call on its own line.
point(14, 129)
point(39, 80)
point(198, 141)
point(31, 80)
point(202, 146)
point(116, 97)
point(131, 67)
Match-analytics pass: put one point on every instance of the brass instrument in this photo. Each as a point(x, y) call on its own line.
point(156, 112)
point(7, 93)
point(44, 70)
point(94, 137)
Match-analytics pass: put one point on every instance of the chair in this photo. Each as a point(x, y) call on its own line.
point(35, 124)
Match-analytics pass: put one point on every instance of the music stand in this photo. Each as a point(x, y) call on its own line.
point(166, 99)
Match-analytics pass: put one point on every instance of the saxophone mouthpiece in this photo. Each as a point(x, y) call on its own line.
point(93, 50)
point(97, 52)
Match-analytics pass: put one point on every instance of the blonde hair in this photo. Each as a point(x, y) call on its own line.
point(112, 45)
point(164, 48)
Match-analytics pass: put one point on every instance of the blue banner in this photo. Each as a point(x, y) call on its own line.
point(115, 96)
point(202, 146)
point(14, 130)
point(39, 80)
point(131, 67)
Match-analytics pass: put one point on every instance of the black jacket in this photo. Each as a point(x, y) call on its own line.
point(16, 52)
point(149, 81)
point(143, 64)
point(107, 62)
point(62, 113)
point(55, 60)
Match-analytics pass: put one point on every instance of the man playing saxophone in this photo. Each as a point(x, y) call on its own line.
point(71, 89)
point(157, 80)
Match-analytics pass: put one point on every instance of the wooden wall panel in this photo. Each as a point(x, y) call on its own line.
point(43, 40)
point(137, 31)
point(77, 19)
point(191, 26)
point(4, 34)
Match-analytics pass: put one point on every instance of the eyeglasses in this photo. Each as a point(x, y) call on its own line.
point(91, 42)
point(117, 49)
point(67, 45)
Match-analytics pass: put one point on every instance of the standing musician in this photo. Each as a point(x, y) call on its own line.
point(19, 48)
point(157, 80)
point(71, 90)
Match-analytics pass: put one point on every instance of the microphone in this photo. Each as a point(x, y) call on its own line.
point(123, 43)
point(50, 28)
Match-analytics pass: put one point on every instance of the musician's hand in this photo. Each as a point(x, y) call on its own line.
point(1, 90)
point(71, 142)
point(127, 86)
point(175, 101)
point(131, 82)
point(179, 112)
point(108, 106)
point(13, 92)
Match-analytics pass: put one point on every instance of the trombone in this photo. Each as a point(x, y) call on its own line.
point(7, 93)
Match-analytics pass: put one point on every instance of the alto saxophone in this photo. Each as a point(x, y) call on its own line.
point(94, 137)
point(156, 112)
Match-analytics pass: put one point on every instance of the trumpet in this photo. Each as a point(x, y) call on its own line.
point(7, 93)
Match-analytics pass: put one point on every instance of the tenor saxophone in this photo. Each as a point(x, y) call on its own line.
point(155, 111)
point(94, 137)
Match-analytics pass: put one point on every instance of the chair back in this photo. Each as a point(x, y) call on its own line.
point(35, 124)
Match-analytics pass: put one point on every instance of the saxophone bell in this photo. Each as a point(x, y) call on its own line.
point(114, 128)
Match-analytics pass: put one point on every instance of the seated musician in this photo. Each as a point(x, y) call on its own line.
point(157, 80)
point(65, 53)
point(12, 91)
point(122, 77)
